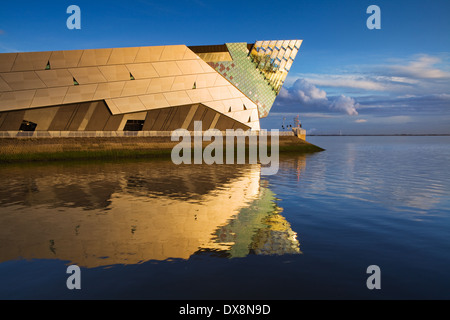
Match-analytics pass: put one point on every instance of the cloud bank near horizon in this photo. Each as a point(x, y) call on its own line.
point(418, 84)
point(307, 94)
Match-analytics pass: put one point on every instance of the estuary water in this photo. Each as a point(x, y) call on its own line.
point(149, 229)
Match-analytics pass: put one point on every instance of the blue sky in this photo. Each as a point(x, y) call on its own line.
point(346, 77)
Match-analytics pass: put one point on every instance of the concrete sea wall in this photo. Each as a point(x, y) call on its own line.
point(20, 149)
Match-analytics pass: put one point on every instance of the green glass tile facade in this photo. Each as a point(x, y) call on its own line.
point(259, 74)
point(274, 59)
point(245, 76)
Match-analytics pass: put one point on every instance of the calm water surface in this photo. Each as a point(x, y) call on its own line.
point(154, 230)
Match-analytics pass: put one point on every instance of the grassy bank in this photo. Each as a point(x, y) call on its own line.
point(62, 149)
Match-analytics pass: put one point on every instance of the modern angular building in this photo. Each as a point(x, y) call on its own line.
point(160, 88)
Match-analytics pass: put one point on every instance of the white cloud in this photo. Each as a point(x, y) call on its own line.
point(401, 119)
point(346, 81)
point(422, 67)
point(345, 104)
point(418, 75)
point(360, 120)
point(307, 94)
point(419, 84)
point(304, 92)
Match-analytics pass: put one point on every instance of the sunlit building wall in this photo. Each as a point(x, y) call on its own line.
point(159, 88)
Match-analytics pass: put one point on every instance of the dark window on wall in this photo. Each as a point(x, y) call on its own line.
point(27, 126)
point(134, 125)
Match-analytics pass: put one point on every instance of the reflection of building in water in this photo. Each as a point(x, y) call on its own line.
point(276, 238)
point(129, 213)
point(259, 228)
point(294, 162)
